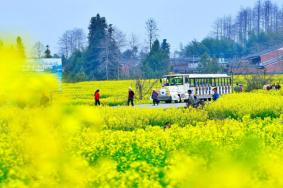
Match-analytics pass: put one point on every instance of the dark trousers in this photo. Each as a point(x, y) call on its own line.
point(131, 101)
point(155, 102)
point(97, 103)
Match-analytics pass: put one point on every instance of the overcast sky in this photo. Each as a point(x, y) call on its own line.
point(180, 21)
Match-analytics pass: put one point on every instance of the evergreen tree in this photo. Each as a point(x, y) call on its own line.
point(96, 46)
point(47, 52)
point(100, 60)
point(165, 51)
point(155, 47)
point(165, 47)
point(156, 62)
point(194, 49)
point(20, 47)
point(222, 48)
point(217, 48)
point(73, 67)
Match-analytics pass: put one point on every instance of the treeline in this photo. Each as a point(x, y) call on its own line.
point(264, 17)
point(38, 50)
point(252, 30)
point(103, 53)
point(18, 47)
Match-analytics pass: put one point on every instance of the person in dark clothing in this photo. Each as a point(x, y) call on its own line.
point(131, 96)
point(154, 97)
point(215, 95)
point(241, 88)
point(97, 98)
point(237, 88)
point(191, 99)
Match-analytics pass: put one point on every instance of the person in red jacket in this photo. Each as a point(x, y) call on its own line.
point(97, 98)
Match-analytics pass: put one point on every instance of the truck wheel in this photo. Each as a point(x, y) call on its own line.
point(168, 102)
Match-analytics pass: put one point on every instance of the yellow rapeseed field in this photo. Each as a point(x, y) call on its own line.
point(114, 93)
point(51, 138)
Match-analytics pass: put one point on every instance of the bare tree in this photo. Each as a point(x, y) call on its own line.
point(79, 39)
point(242, 22)
point(228, 32)
point(275, 19)
point(133, 41)
point(134, 45)
point(264, 17)
point(120, 41)
point(152, 31)
point(119, 38)
point(71, 41)
point(217, 29)
point(38, 50)
point(257, 16)
point(223, 28)
point(250, 22)
point(267, 8)
point(280, 21)
point(110, 55)
point(144, 87)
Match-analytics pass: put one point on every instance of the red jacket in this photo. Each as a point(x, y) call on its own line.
point(97, 96)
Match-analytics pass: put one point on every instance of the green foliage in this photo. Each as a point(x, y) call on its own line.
point(217, 48)
point(194, 48)
point(96, 38)
point(157, 62)
point(208, 64)
point(73, 68)
point(222, 48)
point(100, 60)
point(257, 81)
point(226, 48)
point(97, 31)
point(263, 41)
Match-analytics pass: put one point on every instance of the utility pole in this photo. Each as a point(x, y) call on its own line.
point(108, 40)
point(107, 62)
point(118, 68)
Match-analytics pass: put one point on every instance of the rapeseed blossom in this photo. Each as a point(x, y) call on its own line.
point(49, 139)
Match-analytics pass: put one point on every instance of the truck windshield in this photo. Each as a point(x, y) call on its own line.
point(174, 81)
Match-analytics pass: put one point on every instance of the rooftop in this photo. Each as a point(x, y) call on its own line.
point(201, 75)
